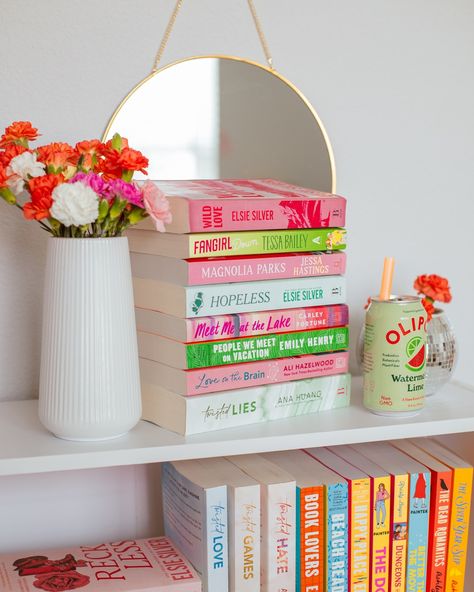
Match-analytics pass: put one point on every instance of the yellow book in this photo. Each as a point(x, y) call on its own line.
point(380, 515)
point(460, 511)
point(359, 516)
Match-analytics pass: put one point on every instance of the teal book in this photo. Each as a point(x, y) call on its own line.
point(337, 573)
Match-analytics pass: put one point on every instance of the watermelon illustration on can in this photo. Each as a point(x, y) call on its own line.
point(395, 356)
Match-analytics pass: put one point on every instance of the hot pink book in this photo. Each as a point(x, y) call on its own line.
point(224, 378)
point(212, 205)
point(250, 324)
point(146, 565)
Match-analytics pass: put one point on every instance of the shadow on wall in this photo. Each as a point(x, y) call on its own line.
point(22, 259)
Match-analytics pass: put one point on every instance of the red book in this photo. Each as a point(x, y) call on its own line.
point(440, 510)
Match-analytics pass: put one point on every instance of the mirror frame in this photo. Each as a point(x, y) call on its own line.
point(246, 61)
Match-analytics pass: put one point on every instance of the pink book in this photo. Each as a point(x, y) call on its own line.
point(220, 270)
point(146, 565)
point(211, 205)
point(251, 324)
point(224, 378)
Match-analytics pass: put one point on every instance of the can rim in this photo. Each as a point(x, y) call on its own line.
point(404, 299)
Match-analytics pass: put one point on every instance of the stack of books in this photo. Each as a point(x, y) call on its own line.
point(370, 517)
point(240, 305)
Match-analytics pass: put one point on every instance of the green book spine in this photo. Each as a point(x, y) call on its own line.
point(227, 244)
point(268, 347)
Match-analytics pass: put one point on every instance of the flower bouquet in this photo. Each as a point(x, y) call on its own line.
point(441, 345)
point(85, 198)
point(84, 191)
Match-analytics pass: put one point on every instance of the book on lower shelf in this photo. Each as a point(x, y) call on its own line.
point(142, 565)
point(278, 515)
point(215, 411)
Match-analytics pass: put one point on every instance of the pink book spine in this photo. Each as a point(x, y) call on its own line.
point(224, 378)
point(265, 214)
point(248, 269)
point(272, 321)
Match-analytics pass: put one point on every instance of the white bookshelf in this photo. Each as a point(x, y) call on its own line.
point(26, 447)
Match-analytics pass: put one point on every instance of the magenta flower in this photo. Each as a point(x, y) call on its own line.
point(127, 191)
point(95, 182)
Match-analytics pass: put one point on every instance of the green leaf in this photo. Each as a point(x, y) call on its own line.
point(8, 195)
point(103, 210)
point(117, 142)
point(117, 208)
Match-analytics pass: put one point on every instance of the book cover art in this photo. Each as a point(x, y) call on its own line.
point(214, 204)
point(243, 324)
point(196, 520)
point(250, 374)
point(202, 301)
point(417, 552)
point(250, 268)
point(204, 413)
point(231, 244)
point(144, 565)
point(381, 522)
point(399, 530)
point(311, 543)
point(282, 345)
point(359, 496)
point(337, 538)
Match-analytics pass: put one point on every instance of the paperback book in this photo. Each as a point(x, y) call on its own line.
point(142, 565)
point(228, 244)
point(278, 532)
point(234, 351)
point(204, 413)
point(243, 509)
point(221, 270)
point(195, 518)
point(209, 205)
point(358, 516)
point(440, 510)
point(249, 374)
point(203, 301)
point(228, 326)
point(381, 517)
point(460, 511)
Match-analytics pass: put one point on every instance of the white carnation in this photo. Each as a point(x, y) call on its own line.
point(21, 168)
point(75, 204)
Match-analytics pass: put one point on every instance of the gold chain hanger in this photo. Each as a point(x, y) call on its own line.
point(172, 20)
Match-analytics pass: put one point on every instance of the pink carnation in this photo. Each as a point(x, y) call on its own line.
point(157, 206)
point(95, 182)
point(124, 190)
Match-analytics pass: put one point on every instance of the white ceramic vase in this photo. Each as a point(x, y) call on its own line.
point(89, 380)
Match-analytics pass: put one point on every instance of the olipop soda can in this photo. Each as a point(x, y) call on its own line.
point(394, 356)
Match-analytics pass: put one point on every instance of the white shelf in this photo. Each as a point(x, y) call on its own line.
point(26, 447)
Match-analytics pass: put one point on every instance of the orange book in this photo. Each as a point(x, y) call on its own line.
point(310, 519)
point(380, 519)
point(460, 511)
point(440, 507)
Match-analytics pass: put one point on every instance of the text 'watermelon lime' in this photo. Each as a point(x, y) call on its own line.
point(416, 352)
point(394, 356)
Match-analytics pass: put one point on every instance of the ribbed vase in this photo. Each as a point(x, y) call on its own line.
point(89, 381)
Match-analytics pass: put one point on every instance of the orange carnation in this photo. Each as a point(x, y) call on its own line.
point(88, 152)
point(133, 160)
point(10, 152)
point(3, 176)
point(41, 190)
point(429, 307)
point(433, 286)
point(18, 131)
point(57, 155)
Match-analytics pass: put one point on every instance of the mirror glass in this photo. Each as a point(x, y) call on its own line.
point(223, 117)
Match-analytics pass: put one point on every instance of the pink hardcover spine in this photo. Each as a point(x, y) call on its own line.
point(265, 214)
point(224, 378)
point(272, 321)
point(248, 269)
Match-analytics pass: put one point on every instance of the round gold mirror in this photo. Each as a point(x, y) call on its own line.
point(224, 117)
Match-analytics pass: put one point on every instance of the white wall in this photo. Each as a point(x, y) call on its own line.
point(392, 81)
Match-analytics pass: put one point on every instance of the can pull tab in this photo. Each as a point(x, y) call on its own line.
point(387, 278)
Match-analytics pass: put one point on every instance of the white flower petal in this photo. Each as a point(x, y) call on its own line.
point(75, 204)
